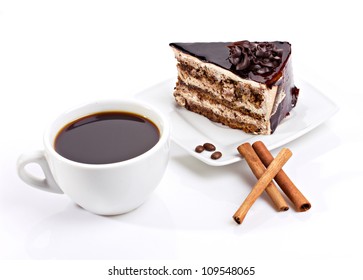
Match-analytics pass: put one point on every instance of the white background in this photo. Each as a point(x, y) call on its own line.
point(56, 54)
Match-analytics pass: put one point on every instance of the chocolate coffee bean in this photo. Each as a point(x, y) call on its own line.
point(209, 147)
point(216, 155)
point(199, 148)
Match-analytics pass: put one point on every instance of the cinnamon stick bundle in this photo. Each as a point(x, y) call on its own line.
point(285, 183)
point(258, 169)
point(262, 183)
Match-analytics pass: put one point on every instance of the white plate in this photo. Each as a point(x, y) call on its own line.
point(190, 129)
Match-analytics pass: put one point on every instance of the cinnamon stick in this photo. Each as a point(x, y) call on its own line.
point(285, 183)
point(262, 183)
point(258, 169)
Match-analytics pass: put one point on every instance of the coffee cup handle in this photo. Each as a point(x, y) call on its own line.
point(46, 184)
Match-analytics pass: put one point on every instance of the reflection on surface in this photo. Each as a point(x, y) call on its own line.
point(77, 234)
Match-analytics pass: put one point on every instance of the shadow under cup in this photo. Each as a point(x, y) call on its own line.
point(111, 188)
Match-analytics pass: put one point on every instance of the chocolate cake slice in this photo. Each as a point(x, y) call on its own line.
point(245, 85)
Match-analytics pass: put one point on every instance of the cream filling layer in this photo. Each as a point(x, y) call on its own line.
point(184, 95)
point(206, 86)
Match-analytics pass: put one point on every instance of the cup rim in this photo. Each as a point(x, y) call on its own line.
point(164, 131)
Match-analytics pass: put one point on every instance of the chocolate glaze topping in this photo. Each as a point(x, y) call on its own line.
point(258, 61)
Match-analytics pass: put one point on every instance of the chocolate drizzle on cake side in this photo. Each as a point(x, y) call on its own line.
point(245, 85)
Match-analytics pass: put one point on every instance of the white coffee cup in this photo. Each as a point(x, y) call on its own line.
point(104, 189)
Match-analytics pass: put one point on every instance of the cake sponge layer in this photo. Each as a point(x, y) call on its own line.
point(195, 101)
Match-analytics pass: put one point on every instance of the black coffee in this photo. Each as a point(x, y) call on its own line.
point(106, 137)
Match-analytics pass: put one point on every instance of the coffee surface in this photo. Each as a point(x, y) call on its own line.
point(106, 137)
